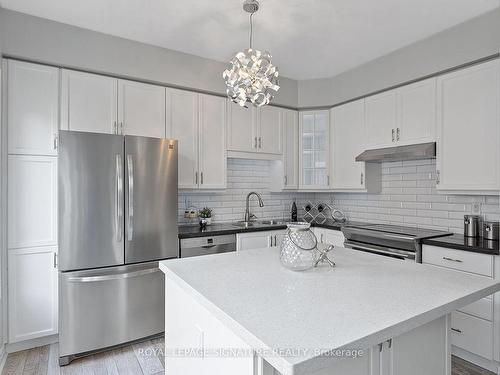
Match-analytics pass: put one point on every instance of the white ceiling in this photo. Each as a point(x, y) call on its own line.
point(307, 38)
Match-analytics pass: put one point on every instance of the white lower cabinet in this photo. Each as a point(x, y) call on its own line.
point(472, 327)
point(259, 240)
point(329, 236)
point(32, 293)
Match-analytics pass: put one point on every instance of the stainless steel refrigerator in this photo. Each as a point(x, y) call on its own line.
point(117, 218)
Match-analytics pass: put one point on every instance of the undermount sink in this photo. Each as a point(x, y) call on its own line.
point(248, 224)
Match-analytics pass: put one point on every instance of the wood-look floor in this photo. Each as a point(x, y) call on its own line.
point(144, 358)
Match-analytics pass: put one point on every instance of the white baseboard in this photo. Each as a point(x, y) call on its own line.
point(33, 343)
point(487, 364)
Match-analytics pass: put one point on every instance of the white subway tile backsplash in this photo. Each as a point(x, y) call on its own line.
point(409, 191)
point(408, 197)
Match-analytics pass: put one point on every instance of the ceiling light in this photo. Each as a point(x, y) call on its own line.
point(250, 75)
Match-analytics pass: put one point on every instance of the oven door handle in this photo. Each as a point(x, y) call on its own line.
point(393, 252)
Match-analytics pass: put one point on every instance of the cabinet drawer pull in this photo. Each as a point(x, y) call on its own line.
point(452, 260)
point(456, 330)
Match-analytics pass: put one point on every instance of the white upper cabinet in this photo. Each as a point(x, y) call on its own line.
point(32, 197)
point(241, 132)
point(182, 124)
point(255, 130)
point(212, 155)
point(381, 120)
point(314, 150)
point(89, 102)
point(403, 116)
point(468, 139)
point(416, 112)
point(291, 149)
point(347, 142)
point(270, 130)
point(32, 109)
point(141, 109)
point(32, 286)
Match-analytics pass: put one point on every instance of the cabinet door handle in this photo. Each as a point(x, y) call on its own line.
point(54, 145)
point(321, 238)
point(389, 343)
point(271, 240)
point(201, 178)
point(362, 178)
point(456, 330)
point(438, 177)
point(275, 244)
point(121, 128)
point(260, 142)
point(255, 143)
point(286, 180)
point(393, 135)
point(397, 134)
point(55, 260)
point(196, 178)
point(328, 180)
point(115, 127)
point(453, 260)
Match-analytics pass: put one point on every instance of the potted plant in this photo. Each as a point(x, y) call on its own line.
point(205, 215)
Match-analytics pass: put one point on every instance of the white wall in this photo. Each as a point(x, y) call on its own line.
point(37, 39)
point(469, 41)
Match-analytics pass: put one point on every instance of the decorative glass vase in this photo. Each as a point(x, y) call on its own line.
point(298, 248)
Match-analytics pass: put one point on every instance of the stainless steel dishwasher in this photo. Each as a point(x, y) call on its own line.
point(191, 247)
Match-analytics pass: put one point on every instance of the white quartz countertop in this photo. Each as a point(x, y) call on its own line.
point(366, 299)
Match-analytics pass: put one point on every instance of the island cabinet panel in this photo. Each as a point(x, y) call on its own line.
point(189, 325)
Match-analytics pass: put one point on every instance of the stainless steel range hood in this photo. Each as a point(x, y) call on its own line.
point(410, 152)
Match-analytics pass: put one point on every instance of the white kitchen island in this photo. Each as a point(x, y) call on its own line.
point(243, 313)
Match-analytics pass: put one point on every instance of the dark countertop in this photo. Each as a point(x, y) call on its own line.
point(192, 231)
point(460, 242)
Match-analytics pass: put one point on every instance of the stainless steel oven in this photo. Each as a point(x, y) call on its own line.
point(392, 241)
point(382, 250)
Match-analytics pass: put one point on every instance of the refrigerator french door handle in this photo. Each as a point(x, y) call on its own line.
point(130, 219)
point(119, 198)
point(116, 276)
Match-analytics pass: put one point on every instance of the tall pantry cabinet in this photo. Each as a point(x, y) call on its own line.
point(32, 104)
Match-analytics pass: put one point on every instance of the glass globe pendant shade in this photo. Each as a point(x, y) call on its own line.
point(251, 76)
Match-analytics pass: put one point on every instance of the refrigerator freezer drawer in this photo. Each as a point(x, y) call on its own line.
point(106, 307)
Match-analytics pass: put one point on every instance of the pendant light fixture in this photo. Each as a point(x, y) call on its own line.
point(250, 75)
